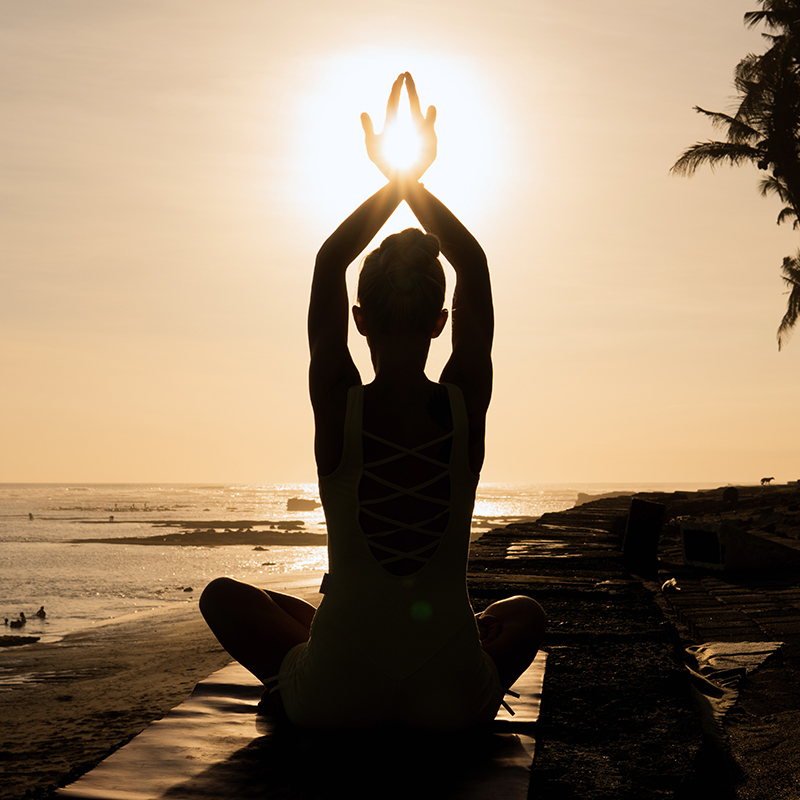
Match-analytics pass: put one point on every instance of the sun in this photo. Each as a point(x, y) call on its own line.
point(337, 174)
point(402, 144)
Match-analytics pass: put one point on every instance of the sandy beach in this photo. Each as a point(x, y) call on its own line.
point(79, 699)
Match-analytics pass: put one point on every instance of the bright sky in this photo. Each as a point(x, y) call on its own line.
point(168, 169)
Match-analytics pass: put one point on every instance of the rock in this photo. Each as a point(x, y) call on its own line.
point(14, 641)
point(730, 495)
point(301, 504)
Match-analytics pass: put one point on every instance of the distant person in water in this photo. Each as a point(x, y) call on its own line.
point(395, 640)
point(41, 613)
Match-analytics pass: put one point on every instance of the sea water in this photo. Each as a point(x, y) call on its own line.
point(81, 585)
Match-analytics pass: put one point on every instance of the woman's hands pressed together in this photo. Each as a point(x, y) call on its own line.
point(377, 149)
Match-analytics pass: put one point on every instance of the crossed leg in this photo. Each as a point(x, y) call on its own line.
point(511, 632)
point(257, 627)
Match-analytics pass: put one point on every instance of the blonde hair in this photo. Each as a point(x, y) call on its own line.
point(401, 285)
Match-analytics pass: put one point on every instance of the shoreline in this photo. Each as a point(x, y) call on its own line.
point(66, 705)
point(212, 538)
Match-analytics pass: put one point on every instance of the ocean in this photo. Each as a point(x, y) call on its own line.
point(81, 585)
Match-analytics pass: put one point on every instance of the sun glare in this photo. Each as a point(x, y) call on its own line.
point(402, 144)
point(339, 175)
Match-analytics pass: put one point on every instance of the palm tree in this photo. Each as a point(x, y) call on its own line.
point(765, 129)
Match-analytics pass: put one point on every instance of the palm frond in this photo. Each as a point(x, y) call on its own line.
point(782, 18)
point(713, 154)
point(791, 276)
point(788, 213)
point(776, 13)
point(737, 129)
point(772, 185)
point(749, 68)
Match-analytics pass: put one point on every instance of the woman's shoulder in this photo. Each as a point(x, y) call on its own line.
point(330, 413)
point(441, 404)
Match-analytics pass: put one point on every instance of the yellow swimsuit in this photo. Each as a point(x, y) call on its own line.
point(386, 648)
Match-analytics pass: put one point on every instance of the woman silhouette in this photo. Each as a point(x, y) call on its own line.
point(395, 640)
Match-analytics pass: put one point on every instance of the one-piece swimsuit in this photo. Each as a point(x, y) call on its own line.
point(395, 648)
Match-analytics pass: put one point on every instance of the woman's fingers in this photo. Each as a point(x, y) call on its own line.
point(430, 117)
point(413, 98)
point(394, 100)
point(366, 124)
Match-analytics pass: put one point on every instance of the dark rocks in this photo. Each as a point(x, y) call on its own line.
point(15, 641)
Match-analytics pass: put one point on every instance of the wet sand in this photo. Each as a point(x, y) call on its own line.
point(65, 706)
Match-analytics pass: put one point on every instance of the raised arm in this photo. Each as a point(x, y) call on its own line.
point(332, 371)
point(470, 365)
point(328, 311)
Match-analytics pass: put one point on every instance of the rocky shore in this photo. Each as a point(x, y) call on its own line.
point(618, 720)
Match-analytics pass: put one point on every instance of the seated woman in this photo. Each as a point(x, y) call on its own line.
point(395, 640)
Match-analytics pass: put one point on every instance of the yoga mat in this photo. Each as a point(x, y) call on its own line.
point(715, 671)
point(213, 745)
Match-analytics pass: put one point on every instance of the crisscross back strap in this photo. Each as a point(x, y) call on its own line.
point(432, 527)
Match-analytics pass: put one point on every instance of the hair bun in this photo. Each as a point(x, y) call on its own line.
point(401, 285)
point(410, 240)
